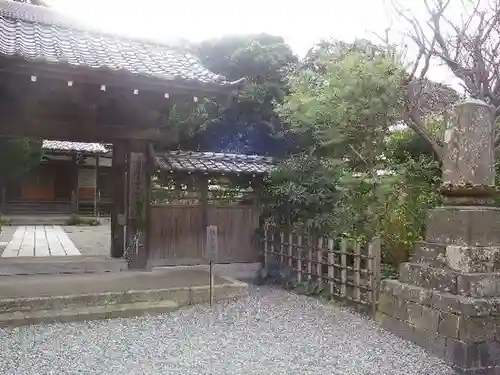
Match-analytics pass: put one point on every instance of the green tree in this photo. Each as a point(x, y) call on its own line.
point(18, 156)
point(249, 124)
point(405, 144)
point(347, 107)
point(304, 191)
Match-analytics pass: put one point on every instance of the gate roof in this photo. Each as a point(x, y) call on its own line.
point(41, 34)
point(212, 162)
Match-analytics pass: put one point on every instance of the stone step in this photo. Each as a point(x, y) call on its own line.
point(429, 253)
point(60, 265)
point(39, 219)
point(37, 208)
point(75, 314)
point(181, 296)
point(64, 298)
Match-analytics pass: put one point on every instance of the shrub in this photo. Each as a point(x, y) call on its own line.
point(304, 191)
point(404, 206)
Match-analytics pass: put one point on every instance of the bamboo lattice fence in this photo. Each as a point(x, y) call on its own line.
point(345, 269)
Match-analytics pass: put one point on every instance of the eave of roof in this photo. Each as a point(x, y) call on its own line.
point(65, 146)
point(210, 162)
point(41, 34)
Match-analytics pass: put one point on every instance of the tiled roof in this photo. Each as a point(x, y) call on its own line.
point(94, 148)
point(214, 162)
point(41, 33)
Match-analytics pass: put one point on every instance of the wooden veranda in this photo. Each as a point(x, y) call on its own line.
point(66, 82)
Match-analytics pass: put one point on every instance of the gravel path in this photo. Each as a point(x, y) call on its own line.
point(271, 332)
point(91, 240)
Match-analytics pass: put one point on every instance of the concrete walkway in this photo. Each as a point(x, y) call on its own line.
point(39, 241)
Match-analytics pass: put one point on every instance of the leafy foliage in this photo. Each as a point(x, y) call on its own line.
point(342, 103)
point(404, 205)
point(304, 190)
point(347, 108)
point(249, 124)
point(404, 144)
point(17, 157)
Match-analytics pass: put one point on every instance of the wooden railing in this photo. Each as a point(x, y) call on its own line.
point(341, 268)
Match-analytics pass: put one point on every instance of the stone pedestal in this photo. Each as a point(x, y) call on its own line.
point(447, 298)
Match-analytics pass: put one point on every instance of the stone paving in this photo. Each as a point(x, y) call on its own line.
point(6, 234)
point(89, 240)
point(270, 332)
point(39, 241)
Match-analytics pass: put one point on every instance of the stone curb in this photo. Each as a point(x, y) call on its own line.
point(35, 310)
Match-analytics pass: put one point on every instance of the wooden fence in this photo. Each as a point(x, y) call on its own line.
point(344, 268)
point(178, 232)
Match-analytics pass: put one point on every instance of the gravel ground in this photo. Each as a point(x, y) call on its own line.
point(271, 332)
point(91, 240)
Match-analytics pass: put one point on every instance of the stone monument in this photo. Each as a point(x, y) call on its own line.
point(447, 298)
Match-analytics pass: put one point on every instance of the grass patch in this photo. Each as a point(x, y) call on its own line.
point(78, 220)
point(4, 221)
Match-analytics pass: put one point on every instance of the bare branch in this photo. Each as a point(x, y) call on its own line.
point(469, 47)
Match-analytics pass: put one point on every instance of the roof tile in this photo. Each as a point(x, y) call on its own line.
point(95, 148)
point(41, 33)
point(214, 162)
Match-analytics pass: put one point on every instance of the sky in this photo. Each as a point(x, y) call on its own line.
point(301, 23)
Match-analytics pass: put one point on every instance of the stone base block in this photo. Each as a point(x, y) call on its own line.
point(430, 254)
point(446, 302)
point(425, 276)
point(462, 330)
point(473, 259)
point(445, 279)
point(465, 259)
point(464, 226)
point(481, 358)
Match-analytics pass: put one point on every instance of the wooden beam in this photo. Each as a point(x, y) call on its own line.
point(81, 132)
point(102, 76)
point(54, 111)
point(74, 180)
point(96, 188)
point(202, 182)
point(118, 208)
point(150, 165)
point(203, 189)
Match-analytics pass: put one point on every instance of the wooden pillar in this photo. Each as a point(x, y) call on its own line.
point(257, 187)
point(202, 185)
point(118, 207)
point(2, 205)
point(74, 181)
point(96, 187)
point(139, 196)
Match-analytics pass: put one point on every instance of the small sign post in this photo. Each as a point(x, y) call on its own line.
point(212, 253)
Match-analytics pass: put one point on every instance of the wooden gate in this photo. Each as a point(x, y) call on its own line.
point(177, 234)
